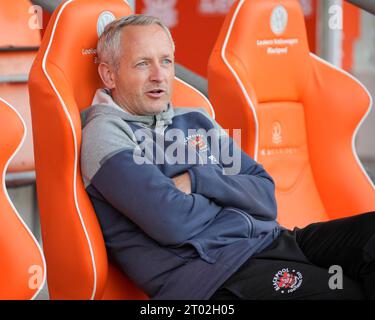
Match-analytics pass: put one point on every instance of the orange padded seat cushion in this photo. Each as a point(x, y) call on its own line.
point(298, 115)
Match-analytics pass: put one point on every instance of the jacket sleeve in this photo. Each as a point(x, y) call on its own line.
point(250, 189)
point(150, 199)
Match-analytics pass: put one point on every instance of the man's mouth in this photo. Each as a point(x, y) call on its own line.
point(155, 93)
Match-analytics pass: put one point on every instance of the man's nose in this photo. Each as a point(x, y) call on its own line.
point(157, 73)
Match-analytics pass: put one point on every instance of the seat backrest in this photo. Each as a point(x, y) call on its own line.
point(63, 81)
point(298, 114)
point(22, 267)
point(18, 47)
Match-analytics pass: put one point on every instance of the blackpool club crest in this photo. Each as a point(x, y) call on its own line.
point(287, 281)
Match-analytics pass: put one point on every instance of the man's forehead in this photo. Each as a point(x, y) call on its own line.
point(148, 38)
point(139, 32)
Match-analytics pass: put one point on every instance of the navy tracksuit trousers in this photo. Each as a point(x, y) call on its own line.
point(326, 260)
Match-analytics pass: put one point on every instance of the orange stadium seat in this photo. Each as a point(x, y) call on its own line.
point(62, 83)
point(22, 267)
point(18, 46)
point(298, 114)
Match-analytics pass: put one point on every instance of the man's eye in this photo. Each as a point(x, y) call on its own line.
point(141, 64)
point(167, 61)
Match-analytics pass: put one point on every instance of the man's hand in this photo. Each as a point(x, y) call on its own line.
point(183, 182)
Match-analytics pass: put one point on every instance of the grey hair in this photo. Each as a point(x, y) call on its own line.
point(109, 44)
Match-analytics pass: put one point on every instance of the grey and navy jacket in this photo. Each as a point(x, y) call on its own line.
point(173, 245)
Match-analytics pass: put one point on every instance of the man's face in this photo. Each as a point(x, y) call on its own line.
point(143, 83)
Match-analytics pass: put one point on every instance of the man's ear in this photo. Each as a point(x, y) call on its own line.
point(107, 75)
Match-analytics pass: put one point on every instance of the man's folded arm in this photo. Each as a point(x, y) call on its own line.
point(242, 183)
point(151, 200)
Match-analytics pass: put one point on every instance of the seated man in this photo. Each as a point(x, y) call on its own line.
point(184, 212)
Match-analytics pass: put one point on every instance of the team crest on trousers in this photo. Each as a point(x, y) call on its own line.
point(286, 281)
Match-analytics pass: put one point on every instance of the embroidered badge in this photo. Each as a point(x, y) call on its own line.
point(196, 141)
point(286, 281)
